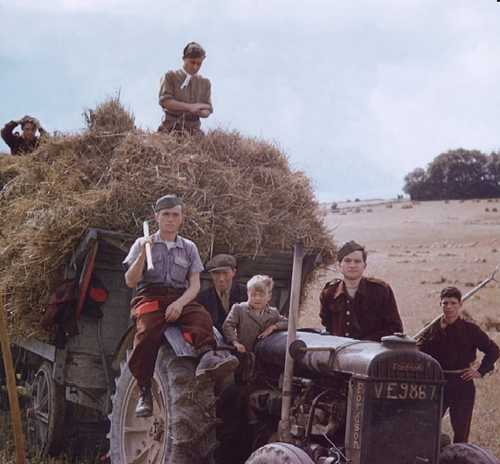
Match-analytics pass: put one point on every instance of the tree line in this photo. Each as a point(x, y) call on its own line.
point(456, 174)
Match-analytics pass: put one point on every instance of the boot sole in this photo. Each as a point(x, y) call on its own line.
point(222, 370)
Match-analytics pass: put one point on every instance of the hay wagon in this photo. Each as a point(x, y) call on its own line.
point(73, 379)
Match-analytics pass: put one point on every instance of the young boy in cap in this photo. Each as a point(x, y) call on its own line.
point(185, 96)
point(253, 319)
point(224, 292)
point(355, 306)
point(165, 295)
point(453, 342)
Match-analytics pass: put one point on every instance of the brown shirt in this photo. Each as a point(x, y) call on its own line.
point(198, 91)
point(370, 315)
point(454, 346)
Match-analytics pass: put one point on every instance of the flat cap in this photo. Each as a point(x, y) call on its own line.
point(167, 202)
point(347, 248)
point(221, 262)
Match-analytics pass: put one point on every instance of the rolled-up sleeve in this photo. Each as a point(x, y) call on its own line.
point(167, 88)
point(132, 254)
point(196, 263)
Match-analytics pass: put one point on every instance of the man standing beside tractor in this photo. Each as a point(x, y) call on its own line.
point(453, 342)
point(165, 295)
point(355, 306)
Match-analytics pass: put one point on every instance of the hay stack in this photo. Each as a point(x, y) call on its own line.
point(240, 196)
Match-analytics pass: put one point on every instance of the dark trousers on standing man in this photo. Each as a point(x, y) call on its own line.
point(459, 399)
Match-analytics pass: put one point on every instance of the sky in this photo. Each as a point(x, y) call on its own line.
point(356, 93)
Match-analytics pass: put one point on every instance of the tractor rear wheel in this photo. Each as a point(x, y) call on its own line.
point(182, 427)
point(466, 453)
point(279, 453)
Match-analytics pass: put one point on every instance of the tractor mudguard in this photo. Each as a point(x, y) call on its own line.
point(173, 335)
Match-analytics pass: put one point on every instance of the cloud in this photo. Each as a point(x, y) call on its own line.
point(356, 93)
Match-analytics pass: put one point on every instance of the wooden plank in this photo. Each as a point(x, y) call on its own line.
point(10, 376)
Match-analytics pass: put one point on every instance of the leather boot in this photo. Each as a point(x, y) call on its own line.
point(219, 364)
point(145, 404)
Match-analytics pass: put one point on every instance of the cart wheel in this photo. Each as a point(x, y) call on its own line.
point(182, 427)
point(45, 415)
point(279, 453)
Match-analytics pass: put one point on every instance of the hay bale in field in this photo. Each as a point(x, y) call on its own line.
point(240, 194)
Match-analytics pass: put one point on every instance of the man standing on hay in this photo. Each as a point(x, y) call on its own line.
point(165, 295)
point(358, 307)
point(21, 144)
point(185, 96)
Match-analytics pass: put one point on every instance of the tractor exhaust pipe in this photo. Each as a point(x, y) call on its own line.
point(293, 316)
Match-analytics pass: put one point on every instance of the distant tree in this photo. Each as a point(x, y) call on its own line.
point(415, 184)
point(456, 174)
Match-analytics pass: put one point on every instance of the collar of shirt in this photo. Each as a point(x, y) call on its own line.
point(187, 79)
point(444, 325)
point(341, 289)
point(177, 243)
point(262, 311)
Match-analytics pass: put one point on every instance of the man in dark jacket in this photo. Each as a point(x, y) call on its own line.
point(225, 292)
point(26, 142)
point(453, 342)
point(355, 306)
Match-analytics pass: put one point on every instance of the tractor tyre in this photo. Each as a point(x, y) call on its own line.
point(182, 427)
point(279, 453)
point(466, 453)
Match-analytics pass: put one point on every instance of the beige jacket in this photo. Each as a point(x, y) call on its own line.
point(244, 324)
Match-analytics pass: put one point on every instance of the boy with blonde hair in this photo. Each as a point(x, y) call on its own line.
point(253, 319)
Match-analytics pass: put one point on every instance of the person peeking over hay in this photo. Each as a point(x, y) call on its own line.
point(26, 142)
point(254, 319)
point(453, 342)
point(165, 295)
point(185, 95)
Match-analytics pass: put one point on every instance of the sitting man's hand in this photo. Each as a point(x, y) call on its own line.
point(268, 331)
point(241, 348)
point(173, 311)
point(471, 374)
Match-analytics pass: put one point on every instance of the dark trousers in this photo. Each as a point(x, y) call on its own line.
point(194, 321)
point(459, 399)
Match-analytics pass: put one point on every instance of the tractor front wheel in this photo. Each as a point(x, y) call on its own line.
point(279, 453)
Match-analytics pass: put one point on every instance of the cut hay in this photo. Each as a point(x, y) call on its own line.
point(240, 195)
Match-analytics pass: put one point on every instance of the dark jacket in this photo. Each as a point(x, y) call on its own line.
point(18, 145)
point(211, 301)
point(370, 315)
point(455, 346)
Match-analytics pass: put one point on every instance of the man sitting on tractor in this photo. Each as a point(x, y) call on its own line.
point(165, 295)
point(219, 298)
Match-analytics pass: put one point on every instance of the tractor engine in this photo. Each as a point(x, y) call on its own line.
point(360, 401)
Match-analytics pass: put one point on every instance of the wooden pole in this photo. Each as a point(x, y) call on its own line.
point(10, 376)
point(149, 257)
point(293, 316)
point(464, 299)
